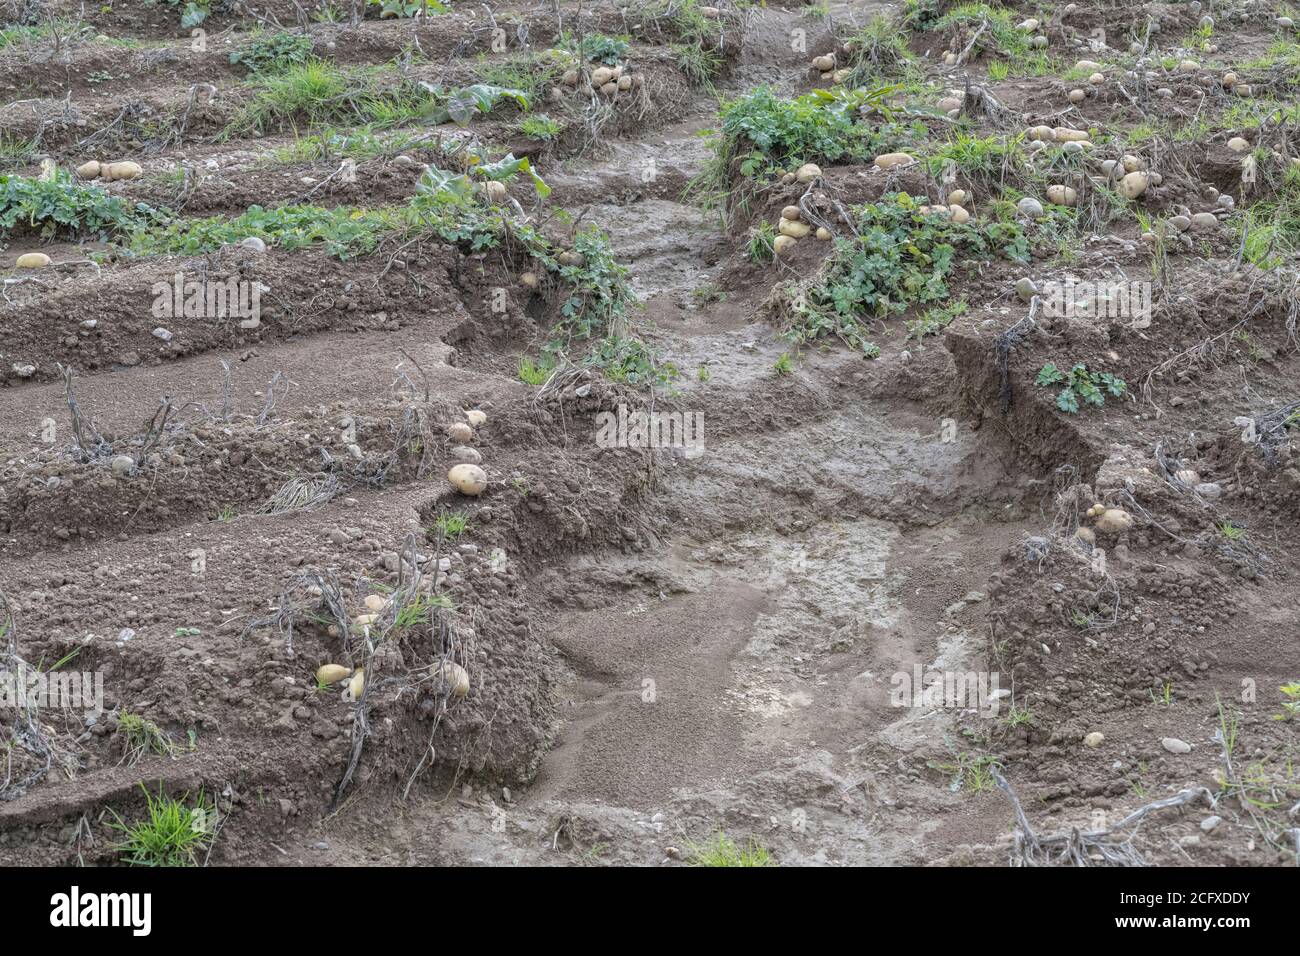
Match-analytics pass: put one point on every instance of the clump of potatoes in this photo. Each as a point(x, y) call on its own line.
point(606, 80)
point(956, 209)
point(94, 169)
point(824, 64)
point(1057, 134)
point(958, 203)
point(467, 476)
point(1110, 520)
point(791, 228)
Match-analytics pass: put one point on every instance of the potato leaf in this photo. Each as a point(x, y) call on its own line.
point(509, 167)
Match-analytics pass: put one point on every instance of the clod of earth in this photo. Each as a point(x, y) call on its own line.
point(1093, 739)
point(476, 417)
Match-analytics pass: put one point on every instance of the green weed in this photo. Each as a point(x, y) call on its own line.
point(721, 850)
point(1079, 383)
point(173, 834)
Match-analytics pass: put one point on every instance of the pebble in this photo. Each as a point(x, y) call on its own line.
point(1094, 739)
point(1209, 823)
point(161, 333)
point(1175, 746)
point(122, 465)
